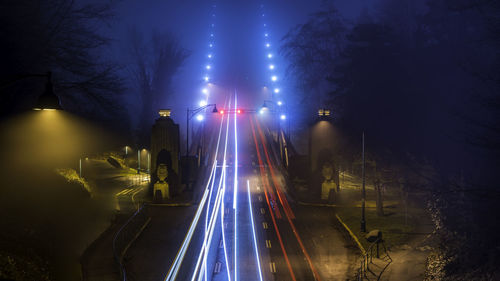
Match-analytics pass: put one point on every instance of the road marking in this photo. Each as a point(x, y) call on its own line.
point(264, 225)
point(218, 266)
point(262, 211)
point(273, 267)
point(268, 244)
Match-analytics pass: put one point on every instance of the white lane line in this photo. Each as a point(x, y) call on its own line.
point(253, 231)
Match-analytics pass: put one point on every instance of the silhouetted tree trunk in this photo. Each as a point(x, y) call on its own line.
point(379, 199)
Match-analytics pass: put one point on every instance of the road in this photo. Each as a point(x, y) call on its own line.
point(245, 226)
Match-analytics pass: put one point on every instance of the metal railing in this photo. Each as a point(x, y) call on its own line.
point(367, 259)
point(126, 235)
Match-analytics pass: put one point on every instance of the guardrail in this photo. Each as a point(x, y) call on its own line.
point(127, 235)
point(366, 256)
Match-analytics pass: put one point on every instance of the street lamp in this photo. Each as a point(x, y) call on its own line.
point(47, 100)
point(190, 113)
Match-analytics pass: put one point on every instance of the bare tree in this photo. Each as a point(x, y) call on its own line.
point(155, 62)
point(63, 37)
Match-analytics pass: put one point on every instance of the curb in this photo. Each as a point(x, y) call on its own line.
point(170, 204)
point(317, 204)
point(353, 236)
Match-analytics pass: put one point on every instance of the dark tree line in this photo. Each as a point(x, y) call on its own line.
point(155, 61)
point(421, 79)
point(66, 38)
point(59, 36)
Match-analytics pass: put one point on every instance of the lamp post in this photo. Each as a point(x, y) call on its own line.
point(190, 113)
point(363, 191)
point(47, 100)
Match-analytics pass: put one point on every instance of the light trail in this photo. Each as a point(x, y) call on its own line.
point(235, 192)
point(266, 188)
point(174, 268)
point(282, 198)
point(292, 225)
point(203, 254)
point(257, 256)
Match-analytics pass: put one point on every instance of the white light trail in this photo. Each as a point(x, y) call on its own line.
point(174, 268)
point(235, 191)
point(257, 256)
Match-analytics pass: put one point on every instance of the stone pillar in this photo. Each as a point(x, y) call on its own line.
point(165, 148)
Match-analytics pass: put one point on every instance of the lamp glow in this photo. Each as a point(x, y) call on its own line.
point(205, 90)
point(269, 55)
point(276, 90)
point(280, 103)
point(283, 117)
point(271, 66)
point(199, 117)
point(203, 103)
point(208, 67)
point(274, 78)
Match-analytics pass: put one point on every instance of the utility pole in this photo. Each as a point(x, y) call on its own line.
point(138, 160)
point(363, 191)
point(187, 132)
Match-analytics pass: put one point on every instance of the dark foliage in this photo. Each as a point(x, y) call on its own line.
point(423, 84)
point(63, 37)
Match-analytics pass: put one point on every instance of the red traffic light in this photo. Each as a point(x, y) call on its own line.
point(239, 111)
point(221, 111)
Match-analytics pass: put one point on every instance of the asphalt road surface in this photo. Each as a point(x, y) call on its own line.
point(244, 226)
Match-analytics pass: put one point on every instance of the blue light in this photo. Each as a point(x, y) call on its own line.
point(212, 35)
point(283, 117)
point(211, 45)
point(280, 103)
point(209, 56)
point(269, 55)
point(208, 66)
point(199, 117)
point(268, 45)
point(266, 34)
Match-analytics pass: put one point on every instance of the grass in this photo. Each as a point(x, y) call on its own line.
point(396, 230)
point(398, 225)
point(72, 176)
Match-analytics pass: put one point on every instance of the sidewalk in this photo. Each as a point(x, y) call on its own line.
point(98, 263)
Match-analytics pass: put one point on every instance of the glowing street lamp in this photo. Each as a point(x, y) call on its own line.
point(190, 113)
